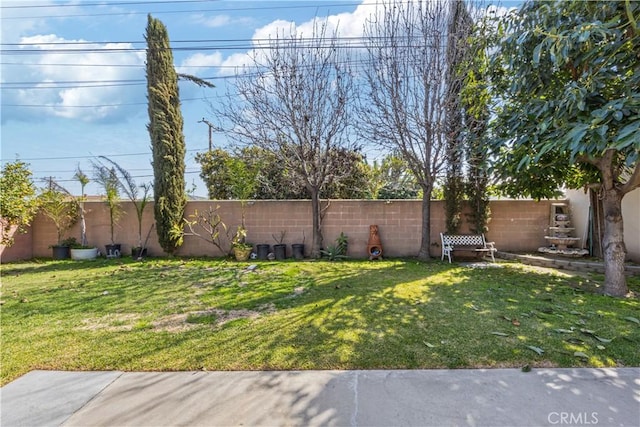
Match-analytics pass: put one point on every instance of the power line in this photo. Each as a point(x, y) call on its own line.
point(137, 176)
point(232, 9)
point(94, 156)
point(106, 4)
point(141, 66)
point(83, 83)
point(265, 43)
point(243, 40)
point(124, 104)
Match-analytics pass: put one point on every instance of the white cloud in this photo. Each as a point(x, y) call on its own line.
point(71, 75)
point(200, 60)
point(349, 24)
point(17, 22)
point(217, 21)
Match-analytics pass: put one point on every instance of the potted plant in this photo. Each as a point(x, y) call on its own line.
point(241, 249)
point(81, 250)
point(280, 249)
point(297, 249)
point(83, 179)
point(108, 179)
point(132, 190)
point(61, 209)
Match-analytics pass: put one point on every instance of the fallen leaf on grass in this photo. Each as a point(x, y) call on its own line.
point(593, 334)
point(500, 334)
point(564, 331)
point(632, 319)
point(601, 347)
point(515, 322)
point(428, 344)
point(536, 349)
point(581, 355)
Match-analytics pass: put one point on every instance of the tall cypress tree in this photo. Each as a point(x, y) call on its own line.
point(459, 28)
point(167, 140)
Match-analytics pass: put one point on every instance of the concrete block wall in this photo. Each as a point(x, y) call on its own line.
point(22, 247)
point(519, 225)
point(516, 225)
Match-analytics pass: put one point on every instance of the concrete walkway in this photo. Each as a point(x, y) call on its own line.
point(497, 397)
point(560, 263)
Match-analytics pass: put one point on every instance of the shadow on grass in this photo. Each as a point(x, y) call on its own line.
point(350, 315)
point(445, 319)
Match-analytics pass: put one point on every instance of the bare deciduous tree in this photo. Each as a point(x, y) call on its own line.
point(292, 102)
point(405, 104)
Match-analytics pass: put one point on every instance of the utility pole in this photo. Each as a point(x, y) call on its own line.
point(211, 127)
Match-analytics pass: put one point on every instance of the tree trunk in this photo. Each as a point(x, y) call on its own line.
point(316, 241)
point(613, 244)
point(83, 228)
point(597, 224)
point(425, 242)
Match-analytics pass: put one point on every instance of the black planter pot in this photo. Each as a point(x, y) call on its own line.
point(263, 251)
point(280, 251)
point(61, 252)
point(298, 250)
point(113, 251)
point(138, 252)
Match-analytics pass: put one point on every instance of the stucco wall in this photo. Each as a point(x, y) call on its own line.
point(579, 202)
point(631, 214)
point(516, 225)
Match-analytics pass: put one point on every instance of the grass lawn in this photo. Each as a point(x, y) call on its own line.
point(214, 314)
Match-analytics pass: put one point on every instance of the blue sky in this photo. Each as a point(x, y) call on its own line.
point(73, 79)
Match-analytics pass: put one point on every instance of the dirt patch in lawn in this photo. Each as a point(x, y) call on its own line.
point(217, 317)
point(173, 322)
point(118, 322)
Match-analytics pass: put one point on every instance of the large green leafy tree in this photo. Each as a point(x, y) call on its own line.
point(391, 178)
point(267, 178)
point(18, 202)
point(167, 139)
point(568, 74)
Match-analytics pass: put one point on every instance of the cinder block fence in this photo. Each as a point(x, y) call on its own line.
point(516, 225)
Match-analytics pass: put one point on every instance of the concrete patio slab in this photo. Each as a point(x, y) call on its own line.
point(495, 397)
point(48, 398)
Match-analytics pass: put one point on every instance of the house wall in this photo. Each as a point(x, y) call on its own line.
point(631, 215)
point(579, 203)
point(516, 225)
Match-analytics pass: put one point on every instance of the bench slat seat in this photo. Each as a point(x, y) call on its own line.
point(465, 242)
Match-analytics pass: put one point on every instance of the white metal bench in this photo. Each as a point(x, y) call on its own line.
point(465, 242)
